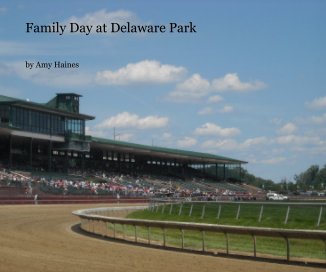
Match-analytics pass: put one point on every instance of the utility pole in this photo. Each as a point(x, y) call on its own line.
point(115, 134)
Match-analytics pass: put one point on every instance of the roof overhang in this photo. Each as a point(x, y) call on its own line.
point(165, 153)
point(54, 111)
point(32, 135)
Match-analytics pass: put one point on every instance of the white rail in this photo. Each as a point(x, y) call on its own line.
point(93, 221)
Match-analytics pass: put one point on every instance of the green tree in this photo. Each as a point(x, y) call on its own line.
point(308, 179)
point(321, 178)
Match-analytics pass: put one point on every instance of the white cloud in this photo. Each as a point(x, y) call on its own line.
point(288, 128)
point(210, 110)
point(103, 16)
point(94, 132)
point(166, 136)
point(269, 151)
point(206, 111)
point(126, 119)
point(319, 119)
point(226, 144)
point(215, 99)
point(288, 139)
point(196, 87)
point(191, 89)
point(298, 140)
point(231, 144)
point(318, 103)
point(124, 137)
point(143, 72)
point(226, 109)
point(276, 121)
point(257, 141)
point(187, 142)
point(102, 133)
point(275, 160)
point(213, 129)
point(231, 82)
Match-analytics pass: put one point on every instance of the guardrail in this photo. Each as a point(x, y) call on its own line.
point(97, 221)
point(156, 203)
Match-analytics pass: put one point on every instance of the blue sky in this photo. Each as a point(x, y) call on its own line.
point(250, 84)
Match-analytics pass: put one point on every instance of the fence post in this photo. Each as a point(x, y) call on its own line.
point(203, 240)
point(164, 237)
point(287, 215)
point(98, 227)
point(136, 239)
point(124, 231)
point(203, 212)
point(287, 248)
point(107, 229)
point(238, 212)
point(320, 214)
point(171, 207)
point(255, 249)
point(149, 234)
point(261, 213)
point(114, 230)
point(163, 208)
point(180, 210)
point(227, 242)
point(182, 238)
point(150, 205)
point(190, 212)
point(219, 211)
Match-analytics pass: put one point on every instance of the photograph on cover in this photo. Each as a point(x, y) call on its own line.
point(242, 80)
point(188, 100)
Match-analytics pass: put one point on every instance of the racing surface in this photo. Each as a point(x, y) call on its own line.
point(40, 238)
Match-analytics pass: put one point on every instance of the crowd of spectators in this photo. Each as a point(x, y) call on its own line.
point(111, 183)
point(10, 179)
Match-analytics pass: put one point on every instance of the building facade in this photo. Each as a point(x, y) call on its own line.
point(51, 137)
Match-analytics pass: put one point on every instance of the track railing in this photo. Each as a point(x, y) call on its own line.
point(100, 221)
point(155, 204)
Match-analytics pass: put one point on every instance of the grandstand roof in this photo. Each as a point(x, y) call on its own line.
point(46, 107)
point(155, 151)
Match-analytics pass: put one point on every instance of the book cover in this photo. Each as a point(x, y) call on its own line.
point(241, 79)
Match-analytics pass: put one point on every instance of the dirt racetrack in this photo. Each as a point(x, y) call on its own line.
point(39, 238)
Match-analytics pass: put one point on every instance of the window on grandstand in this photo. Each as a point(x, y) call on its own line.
point(75, 126)
point(36, 121)
point(4, 114)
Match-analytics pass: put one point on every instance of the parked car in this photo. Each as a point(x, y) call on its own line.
point(274, 196)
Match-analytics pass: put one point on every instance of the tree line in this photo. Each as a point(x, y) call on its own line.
point(312, 179)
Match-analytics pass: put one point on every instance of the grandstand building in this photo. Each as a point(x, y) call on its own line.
point(51, 137)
